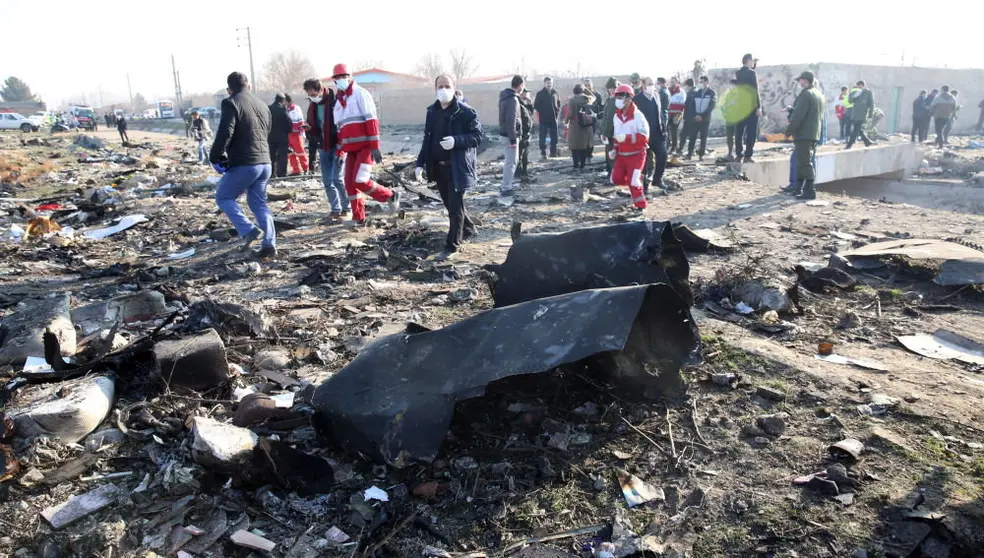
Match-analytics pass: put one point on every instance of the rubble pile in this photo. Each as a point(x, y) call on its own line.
point(581, 382)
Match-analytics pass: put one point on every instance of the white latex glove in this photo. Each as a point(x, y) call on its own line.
point(611, 154)
point(604, 140)
point(418, 173)
point(448, 143)
point(619, 138)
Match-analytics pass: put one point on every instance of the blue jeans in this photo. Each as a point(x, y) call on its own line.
point(332, 169)
point(251, 179)
point(202, 151)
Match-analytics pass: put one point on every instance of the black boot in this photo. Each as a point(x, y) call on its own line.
point(808, 192)
point(793, 189)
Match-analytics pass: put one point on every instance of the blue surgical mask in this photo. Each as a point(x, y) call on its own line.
point(342, 84)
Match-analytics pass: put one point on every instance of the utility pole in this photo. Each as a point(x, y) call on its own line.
point(130, 89)
point(177, 84)
point(249, 46)
point(100, 95)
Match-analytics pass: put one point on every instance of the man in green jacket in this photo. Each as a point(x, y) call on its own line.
point(863, 109)
point(804, 128)
point(608, 121)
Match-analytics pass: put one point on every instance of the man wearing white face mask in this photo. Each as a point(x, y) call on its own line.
point(321, 121)
point(358, 138)
point(448, 154)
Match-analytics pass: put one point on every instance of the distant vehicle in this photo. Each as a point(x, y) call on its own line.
point(165, 109)
point(38, 119)
point(86, 116)
point(14, 121)
point(208, 112)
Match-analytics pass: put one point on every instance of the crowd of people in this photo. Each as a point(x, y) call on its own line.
point(940, 107)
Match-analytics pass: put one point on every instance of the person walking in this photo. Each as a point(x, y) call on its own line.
point(920, 117)
point(358, 137)
point(547, 106)
point(324, 135)
point(510, 127)
point(647, 102)
point(297, 155)
point(631, 136)
point(279, 135)
point(705, 99)
point(187, 120)
point(448, 156)
point(241, 154)
point(678, 102)
point(608, 122)
point(840, 111)
point(121, 128)
point(580, 120)
point(863, 108)
point(943, 108)
point(201, 132)
point(636, 80)
point(805, 129)
point(664, 102)
point(746, 131)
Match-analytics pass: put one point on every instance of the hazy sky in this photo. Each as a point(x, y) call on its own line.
point(106, 39)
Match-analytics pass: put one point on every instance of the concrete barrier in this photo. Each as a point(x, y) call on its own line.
point(889, 161)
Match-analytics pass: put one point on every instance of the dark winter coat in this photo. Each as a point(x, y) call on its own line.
point(466, 129)
point(327, 134)
point(579, 137)
point(510, 125)
point(653, 112)
point(280, 124)
point(747, 77)
point(547, 104)
point(804, 123)
point(864, 106)
point(243, 132)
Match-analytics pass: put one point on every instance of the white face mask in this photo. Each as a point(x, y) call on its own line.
point(619, 103)
point(342, 84)
point(445, 95)
point(650, 89)
point(315, 99)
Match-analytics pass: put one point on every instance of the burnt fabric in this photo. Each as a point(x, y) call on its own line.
point(394, 402)
point(540, 265)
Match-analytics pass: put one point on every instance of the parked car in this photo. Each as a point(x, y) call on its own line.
point(14, 121)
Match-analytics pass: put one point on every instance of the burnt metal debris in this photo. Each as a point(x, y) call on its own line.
point(548, 264)
point(395, 401)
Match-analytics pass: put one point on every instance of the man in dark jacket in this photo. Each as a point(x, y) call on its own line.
point(804, 128)
point(648, 102)
point(448, 156)
point(241, 154)
point(321, 125)
point(863, 108)
point(608, 122)
point(920, 118)
point(279, 135)
point(511, 128)
point(689, 116)
point(704, 102)
point(547, 105)
point(746, 131)
point(664, 100)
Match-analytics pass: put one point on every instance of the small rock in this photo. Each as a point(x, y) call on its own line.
point(600, 484)
point(845, 499)
point(725, 379)
point(220, 444)
point(774, 425)
point(838, 473)
point(771, 394)
point(823, 486)
point(912, 398)
point(751, 431)
point(272, 359)
point(463, 295)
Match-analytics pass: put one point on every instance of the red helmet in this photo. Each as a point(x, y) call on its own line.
point(624, 89)
point(340, 70)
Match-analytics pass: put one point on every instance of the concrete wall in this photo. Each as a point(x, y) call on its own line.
point(895, 159)
point(894, 89)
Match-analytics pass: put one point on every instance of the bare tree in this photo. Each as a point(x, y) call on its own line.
point(286, 70)
point(367, 64)
point(700, 68)
point(430, 66)
point(463, 66)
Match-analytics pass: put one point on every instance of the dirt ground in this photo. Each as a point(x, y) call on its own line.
point(498, 486)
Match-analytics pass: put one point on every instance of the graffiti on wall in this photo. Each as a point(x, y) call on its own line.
point(777, 90)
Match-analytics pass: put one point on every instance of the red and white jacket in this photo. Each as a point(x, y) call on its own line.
point(356, 119)
point(296, 119)
point(632, 123)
